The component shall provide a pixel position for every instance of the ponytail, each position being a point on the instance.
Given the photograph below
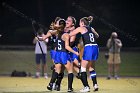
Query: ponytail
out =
(87, 20)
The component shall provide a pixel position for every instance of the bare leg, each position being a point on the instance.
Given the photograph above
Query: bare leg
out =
(110, 70)
(38, 70)
(116, 69)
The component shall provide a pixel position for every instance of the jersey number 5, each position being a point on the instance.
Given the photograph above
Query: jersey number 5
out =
(59, 45)
(91, 37)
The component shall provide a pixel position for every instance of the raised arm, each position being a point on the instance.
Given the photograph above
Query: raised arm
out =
(96, 34)
(74, 32)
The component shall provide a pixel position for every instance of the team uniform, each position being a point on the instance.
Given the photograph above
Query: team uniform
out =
(61, 56)
(90, 46)
(52, 43)
(90, 54)
(72, 55)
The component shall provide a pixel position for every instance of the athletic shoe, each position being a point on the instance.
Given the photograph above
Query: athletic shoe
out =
(96, 87)
(70, 89)
(53, 87)
(57, 87)
(46, 77)
(85, 89)
(49, 87)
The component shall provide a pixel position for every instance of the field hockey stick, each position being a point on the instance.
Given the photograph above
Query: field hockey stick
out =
(10, 8)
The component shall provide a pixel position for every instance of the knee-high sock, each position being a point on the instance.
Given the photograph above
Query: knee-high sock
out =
(93, 76)
(59, 79)
(54, 77)
(70, 80)
(84, 79)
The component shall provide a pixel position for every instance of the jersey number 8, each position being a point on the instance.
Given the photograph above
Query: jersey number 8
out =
(91, 37)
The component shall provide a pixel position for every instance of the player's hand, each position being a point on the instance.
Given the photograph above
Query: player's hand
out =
(77, 53)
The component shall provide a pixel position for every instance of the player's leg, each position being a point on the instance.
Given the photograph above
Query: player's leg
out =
(69, 68)
(92, 71)
(86, 88)
(59, 79)
(57, 62)
(54, 76)
(76, 64)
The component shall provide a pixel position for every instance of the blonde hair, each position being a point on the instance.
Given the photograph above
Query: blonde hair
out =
(87, 20)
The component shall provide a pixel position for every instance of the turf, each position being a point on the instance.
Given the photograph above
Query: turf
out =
(30, 85)
(25, 61)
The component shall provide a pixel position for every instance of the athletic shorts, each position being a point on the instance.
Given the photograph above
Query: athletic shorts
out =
(40, 57)
(91, 53)
(52, 53)
(61, 58)
(114, 58)
(72, 55)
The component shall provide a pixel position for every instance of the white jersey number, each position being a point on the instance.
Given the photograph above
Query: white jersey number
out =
(91, 37)
(59, 45)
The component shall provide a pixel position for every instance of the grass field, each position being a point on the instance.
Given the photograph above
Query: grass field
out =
(25, 61)
(30, 85)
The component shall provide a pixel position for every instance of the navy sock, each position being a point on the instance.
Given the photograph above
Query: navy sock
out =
(93, 76)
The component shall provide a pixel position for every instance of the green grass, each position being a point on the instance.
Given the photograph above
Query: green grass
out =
(31, 85)
(25, 61)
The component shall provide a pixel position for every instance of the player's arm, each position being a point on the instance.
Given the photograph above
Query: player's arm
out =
(49, 34)
(96, 34)
(74, 32)
(66, 38)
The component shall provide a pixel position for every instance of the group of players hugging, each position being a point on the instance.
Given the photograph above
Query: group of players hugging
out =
(65, 53)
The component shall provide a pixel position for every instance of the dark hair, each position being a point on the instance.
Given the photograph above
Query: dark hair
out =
(87, 20)
(73, 20)
(40, 31)
(61, 27)
(56, 19)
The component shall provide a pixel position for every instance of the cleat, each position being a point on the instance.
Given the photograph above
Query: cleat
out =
(96, 87)
(70, 90)
(50, 86)
(57, 88)
(53, 87)
(85, 89)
